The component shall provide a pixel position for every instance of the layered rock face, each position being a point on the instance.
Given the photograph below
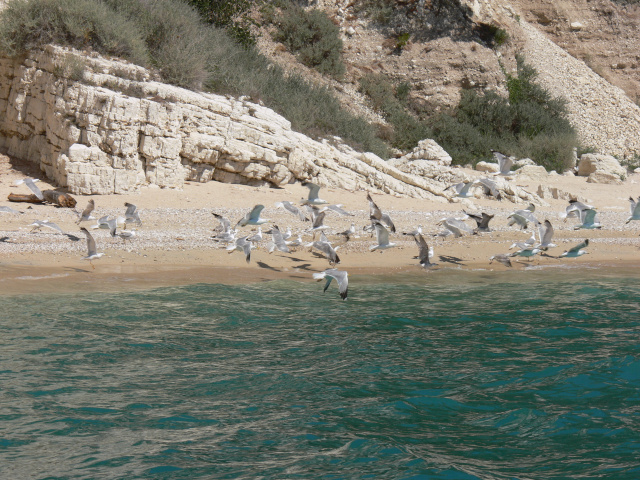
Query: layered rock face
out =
(108, 128)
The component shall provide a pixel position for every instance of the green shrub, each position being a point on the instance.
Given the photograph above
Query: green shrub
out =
(25, 25)
(175, 36)
(313, 38)
(232, 15)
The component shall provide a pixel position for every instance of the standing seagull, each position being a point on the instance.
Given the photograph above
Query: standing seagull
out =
(424, 252)
(526, 252)
(31, 183)
(253, 217)
(313, 198)
(376, 214)
(86, 213)
(92, 251)
(635, 210)
(341, 277)
(382, 235)
(577, 250)
(503, 258)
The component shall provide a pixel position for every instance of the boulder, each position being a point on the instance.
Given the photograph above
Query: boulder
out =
(591, 163)
(537, 172)
(487, 167)
(604, 177)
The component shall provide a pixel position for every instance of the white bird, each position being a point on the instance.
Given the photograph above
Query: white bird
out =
(526, 252)
(253, 217)
(462, 189)
(339, 210)
(325, 247)
(503, 258)
(382, 236)
(545, 232)
(227, 234)
(278, 240)
(482, 221)
(4, 209)
(313, 198)
(504, 163)
(86, 213)
(635, 210)
(349, 232)
(425, 254)
(523, 217)
(38, 224)
(317, 218)
(257, 237)
(490, 187)
(92, 251)
(131, 215)
(376, 214)
(291, 208)
(340, 276)
(31, 183)
(242, 245)
(589, 219)
(577, 250)
(529, 242)
(413, 233)
(574, 208)
(455, 226)
(127, 234)
(294, 243)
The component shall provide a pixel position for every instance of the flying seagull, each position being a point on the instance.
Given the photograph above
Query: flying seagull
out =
(227, 234)
(503, 258)
(376, 214)
(340, 276)
(31, 183)
(86, 213)
(490, 187)
(382, 236)
(589, 219)
(131, 215)
(635, 210)
(574, 208)
(325, 247)
(462, 189)
(577, 250)
(424, 252)
(455, 226)
(38, 224)
(546, 233)
(529, 252)
(523, 217)
(504, 163)
(291, 208)
(278, 240)
(253, 217)
(92, 251)
(313, 198)
(242, 245)
(482, 221)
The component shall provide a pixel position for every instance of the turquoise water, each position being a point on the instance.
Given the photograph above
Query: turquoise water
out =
(480, 377)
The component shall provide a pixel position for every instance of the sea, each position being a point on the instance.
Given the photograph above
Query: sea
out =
(434, 375)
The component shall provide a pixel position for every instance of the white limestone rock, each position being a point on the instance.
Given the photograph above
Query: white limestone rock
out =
(591, 163)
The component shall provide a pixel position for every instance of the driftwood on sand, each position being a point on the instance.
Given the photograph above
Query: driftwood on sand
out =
(50, 196)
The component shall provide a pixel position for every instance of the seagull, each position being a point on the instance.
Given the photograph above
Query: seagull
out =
(31, 183)
(462, 189)
(341, 277)
(257, 237)
(317, 216)
(227, 234)
(424, 252)
(382, 236)
(338, 209)
(325, 247)
(278, 240)
(635, 210)
(574, 208)
(504, 163)
(523, 217)
(546, 233)
(376, 214)
(528, 243)
(290, 207)
(490, 187)
(38, 224)
(313, 198)
(131, 215)
(577, 250)
(589, 219)
(86, 213)
(127, 234)
(526, 252)
(413, 233)
(455, 226)
(92, 252)
(253, 217)
(242, 245)
(349, 232)
(294, 243)
(503, 258)
(481, 220)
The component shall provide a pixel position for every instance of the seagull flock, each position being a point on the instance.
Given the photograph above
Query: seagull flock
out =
(312, 213)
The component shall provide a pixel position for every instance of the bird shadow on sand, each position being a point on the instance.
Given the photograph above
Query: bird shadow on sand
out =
(304, 266)
(73, 238)
(78, 270)
(4, 239)
(268, 267)
(451, 259)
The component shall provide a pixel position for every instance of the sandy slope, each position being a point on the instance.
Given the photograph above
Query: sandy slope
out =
(174, 244)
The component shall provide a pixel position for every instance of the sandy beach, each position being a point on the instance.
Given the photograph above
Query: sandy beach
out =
(174, 244)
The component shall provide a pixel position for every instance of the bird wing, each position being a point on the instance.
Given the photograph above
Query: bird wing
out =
(88, 209)
(31, 183)
(319, 220)
(131, 209)
(387, 220)
(374, 211)
(635, 207)
(588, 216)
(486, 218)
(382, 234)
(545, 238)
(458, 225)
(342, 278)
(255, 213)
(337, 209)
(91, 243)
(226, 224)
(314, 191)
(278, 240)
(579, 247)
(423, 249)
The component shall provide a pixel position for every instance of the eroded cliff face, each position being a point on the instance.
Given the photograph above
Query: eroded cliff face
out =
(113, 129)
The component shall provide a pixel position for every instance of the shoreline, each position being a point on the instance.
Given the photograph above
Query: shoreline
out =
(174, 244)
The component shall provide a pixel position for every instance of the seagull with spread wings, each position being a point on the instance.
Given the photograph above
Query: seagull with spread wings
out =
(340, 276)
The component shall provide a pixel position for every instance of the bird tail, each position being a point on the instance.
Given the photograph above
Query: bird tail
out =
(319, 276)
